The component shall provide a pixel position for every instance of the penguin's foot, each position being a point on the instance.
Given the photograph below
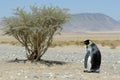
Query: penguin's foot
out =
(91, 71)
(95, 71)
(87, 71)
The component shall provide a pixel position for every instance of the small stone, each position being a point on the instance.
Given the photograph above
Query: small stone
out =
(118, 62)
(11, 77)
(26, 77)
(18, 74)
(36, 77)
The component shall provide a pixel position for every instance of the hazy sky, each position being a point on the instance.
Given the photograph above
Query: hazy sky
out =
(108, 7)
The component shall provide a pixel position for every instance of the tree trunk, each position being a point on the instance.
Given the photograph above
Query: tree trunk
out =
(35, 55)
(35, 52)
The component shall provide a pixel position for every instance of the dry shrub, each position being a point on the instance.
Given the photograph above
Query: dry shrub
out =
(35, 29)
(111, 43)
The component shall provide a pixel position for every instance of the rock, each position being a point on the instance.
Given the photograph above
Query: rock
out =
(26, 77)
(18, 74)
(36, 77)
(118, 62)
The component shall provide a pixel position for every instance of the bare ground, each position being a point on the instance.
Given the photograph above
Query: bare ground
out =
(59, 63)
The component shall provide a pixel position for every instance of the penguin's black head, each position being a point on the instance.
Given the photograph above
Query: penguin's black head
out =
(87, 42)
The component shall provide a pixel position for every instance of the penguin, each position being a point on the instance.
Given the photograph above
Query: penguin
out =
(92, 59)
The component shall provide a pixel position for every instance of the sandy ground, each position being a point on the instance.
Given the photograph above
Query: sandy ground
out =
(59, 63)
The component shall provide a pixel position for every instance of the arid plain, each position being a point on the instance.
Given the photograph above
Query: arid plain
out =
(63, 60)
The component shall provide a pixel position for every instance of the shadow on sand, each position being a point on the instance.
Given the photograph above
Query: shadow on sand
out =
(42, 61)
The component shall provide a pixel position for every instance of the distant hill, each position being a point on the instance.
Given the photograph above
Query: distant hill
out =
(88, 22)
(91, 22)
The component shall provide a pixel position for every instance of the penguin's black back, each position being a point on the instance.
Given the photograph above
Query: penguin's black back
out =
(95, 57)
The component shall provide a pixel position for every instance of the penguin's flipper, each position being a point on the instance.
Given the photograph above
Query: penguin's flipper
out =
(86, 59)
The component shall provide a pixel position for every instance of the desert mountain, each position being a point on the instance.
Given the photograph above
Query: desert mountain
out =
(88, 22)
(91, 22)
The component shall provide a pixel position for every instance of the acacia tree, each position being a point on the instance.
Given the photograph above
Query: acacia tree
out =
(35, 29)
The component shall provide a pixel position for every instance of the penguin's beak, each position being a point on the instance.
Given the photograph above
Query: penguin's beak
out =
(82, 42)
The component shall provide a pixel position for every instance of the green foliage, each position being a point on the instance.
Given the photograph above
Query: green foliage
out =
(35, 29)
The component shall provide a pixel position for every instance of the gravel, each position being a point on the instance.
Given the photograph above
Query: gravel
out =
(73, 56)
(65, 53)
